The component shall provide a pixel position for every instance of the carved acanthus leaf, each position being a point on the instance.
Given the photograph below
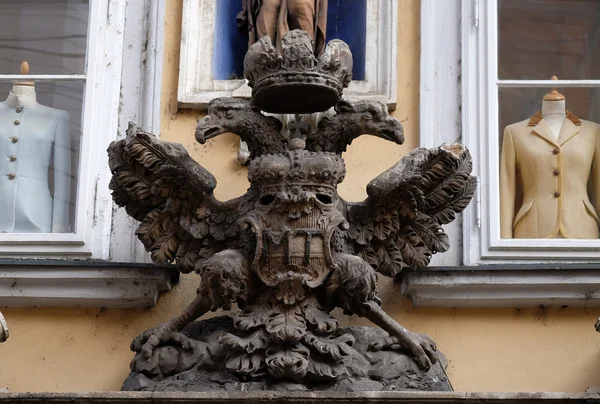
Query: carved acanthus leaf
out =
(287, 325)
(245, 364)
(334, 348)
(318, 319)
(257, 341)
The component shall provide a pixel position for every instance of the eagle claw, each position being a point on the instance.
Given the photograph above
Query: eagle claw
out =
(158, 336)
(419, 346)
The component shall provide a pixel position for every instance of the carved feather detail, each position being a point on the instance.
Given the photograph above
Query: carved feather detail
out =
(161, 186)
(400, 223)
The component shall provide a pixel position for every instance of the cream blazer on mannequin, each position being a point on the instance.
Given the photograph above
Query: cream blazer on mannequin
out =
(30, 134)
(553, 176)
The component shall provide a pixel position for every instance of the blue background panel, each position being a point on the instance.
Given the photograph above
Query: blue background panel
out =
(346, 20)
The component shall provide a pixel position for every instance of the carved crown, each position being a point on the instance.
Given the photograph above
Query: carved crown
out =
(295, 80)
(297, 167)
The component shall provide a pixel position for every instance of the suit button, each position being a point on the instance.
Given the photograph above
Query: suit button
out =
(17, 122)
(555, 151)
(556, 194)
(14, 139)
(13, 158)
(19, 110)
(555, 172)
(11, 176)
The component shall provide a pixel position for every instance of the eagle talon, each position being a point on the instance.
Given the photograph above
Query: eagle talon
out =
(419, 346)
(161, 335)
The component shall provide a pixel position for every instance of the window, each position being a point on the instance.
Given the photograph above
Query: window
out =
(511, 48)
(209, 34)
(57, 116)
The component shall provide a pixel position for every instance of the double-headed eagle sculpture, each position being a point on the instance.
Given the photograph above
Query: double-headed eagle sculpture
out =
(291, 249)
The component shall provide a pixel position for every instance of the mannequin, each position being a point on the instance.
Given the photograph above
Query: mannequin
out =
(30, 134)
(546, 164)
(554, 113)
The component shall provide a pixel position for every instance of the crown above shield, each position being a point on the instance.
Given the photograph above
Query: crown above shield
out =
(294, 80)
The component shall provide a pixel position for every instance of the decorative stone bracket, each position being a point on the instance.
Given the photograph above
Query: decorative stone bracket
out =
(39, 283)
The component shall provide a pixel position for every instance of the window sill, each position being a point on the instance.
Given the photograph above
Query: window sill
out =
(573, 285)
(51, 283)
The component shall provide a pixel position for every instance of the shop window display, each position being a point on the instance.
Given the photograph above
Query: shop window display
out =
(40, 121)
(549, 176)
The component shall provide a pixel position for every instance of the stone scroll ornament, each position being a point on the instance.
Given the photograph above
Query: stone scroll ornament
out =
(291, 249)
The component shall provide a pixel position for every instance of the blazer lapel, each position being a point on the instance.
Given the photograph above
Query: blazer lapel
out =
(570, 128)
(541, 128)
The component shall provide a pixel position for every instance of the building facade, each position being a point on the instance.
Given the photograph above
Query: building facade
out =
(509, 314)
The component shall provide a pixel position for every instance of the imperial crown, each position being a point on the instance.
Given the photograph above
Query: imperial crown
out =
(299, 167)
(294, 80)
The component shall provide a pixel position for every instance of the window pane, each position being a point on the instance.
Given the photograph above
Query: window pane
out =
(538, 39)
(517, 104)
(49, 34)
(550, 163)
(40, 136)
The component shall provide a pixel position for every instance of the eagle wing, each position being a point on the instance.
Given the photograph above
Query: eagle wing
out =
(171, 196)
(400, 223)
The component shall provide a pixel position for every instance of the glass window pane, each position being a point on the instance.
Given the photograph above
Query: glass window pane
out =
(40, 136)
(517, 104)
(538, 39)
(549, 163)
(49, 34)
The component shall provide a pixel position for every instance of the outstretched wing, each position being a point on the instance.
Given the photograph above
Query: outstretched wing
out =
(400, 223)
(161, 186)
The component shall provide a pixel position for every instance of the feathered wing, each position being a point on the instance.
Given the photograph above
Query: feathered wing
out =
(400, 223)
(161, 186)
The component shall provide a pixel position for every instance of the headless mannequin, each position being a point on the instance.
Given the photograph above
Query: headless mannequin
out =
(30, 134)
(554, 114)
(22, 96)
(549, 172)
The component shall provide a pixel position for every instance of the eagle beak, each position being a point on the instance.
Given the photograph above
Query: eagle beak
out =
(207, 128)
(393, 131)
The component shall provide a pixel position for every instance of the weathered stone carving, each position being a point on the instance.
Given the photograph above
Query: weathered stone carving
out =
(201, 367)
(291, 249)
(307, 84)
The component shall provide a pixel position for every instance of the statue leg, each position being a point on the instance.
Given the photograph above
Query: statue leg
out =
(351, 286)
(224, 280)
(266, 21)
(420, 346)
(302, 15)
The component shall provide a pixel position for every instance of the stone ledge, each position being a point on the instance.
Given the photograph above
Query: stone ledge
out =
(574, 285)
(52, 283)
(309, 398)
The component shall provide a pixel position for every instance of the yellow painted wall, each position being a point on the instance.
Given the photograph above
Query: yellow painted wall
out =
(488, 349)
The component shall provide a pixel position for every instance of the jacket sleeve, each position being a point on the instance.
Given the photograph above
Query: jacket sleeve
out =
(62, 175)
(508, 170)
(595, 175)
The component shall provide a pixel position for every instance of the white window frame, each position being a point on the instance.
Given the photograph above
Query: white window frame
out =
(197, 86)
(450, 90)
(100, 120)
(481, 134)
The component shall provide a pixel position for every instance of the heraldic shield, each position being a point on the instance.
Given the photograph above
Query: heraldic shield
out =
(294, 222)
